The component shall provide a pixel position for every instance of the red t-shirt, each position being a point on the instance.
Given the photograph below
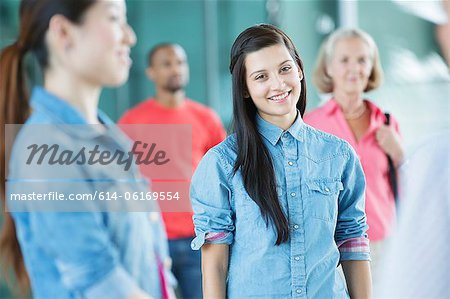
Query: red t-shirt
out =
(380, 203)
(207, 131)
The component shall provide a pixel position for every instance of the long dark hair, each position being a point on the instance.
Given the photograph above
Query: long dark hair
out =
(253, 158)
(35, 17)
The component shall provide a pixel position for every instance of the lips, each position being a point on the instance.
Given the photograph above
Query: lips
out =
(125, 56)
(280, 97)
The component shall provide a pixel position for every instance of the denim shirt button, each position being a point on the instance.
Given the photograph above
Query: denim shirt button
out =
(297, 258)
(290, 163)
(299, 291)
(153, 216)
(293, 194)
(296, 226)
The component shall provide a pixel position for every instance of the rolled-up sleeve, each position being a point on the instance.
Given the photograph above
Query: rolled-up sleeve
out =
(211, 196)
(87, 260)
(350, 236)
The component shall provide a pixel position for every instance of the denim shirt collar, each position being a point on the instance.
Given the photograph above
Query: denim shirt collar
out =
(62, 112)
(273, 133)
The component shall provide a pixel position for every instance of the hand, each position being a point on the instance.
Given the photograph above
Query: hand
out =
(389, 141)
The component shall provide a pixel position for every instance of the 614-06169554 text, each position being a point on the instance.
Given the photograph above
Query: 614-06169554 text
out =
(102, 195)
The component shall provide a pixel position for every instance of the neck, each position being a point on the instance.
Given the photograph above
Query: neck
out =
(284, 122)
(78, 93)
(170, 99)
(349, 103)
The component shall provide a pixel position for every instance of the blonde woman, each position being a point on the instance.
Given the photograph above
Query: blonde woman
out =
(348, 66)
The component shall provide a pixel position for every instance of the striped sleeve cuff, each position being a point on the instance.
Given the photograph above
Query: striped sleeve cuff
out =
(354, 249)
(212, 238)
(216, 237)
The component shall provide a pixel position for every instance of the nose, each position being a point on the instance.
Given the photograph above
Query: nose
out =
(354, 66)
(278, 82)
(129, 35)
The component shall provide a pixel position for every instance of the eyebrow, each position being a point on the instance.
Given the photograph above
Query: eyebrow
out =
(288, 60)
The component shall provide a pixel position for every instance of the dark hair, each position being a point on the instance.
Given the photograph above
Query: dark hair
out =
(156, 48)
(253, 158)
(35, 17)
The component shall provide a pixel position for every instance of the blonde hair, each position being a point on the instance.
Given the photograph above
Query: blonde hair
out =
(323, 81)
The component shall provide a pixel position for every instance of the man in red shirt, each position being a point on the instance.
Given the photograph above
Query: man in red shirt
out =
(168, 69)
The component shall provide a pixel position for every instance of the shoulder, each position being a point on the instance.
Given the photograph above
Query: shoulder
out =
(137, 111)
(225, 152)
(380, 115)
(322, 145)
(200, 109)
(38, 117)
(317, 114)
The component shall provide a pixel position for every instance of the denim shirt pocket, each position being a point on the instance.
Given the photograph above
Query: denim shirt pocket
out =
(321, 197)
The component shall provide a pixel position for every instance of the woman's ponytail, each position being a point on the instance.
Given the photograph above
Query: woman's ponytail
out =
(14, 109)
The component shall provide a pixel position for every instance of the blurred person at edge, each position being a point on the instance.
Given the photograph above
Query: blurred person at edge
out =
(437, 12)
(168, 69)
(81, 45)
(348, 65)
(443, 32)
(417, 260)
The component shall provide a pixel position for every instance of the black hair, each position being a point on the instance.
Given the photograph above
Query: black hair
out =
(253, 158)
(156, 48)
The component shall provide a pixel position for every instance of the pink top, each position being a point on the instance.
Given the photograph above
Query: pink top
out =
(380, 204)
(162, 279)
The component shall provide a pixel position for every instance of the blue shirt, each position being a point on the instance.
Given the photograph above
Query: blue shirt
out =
(88, 254)
(320, 186)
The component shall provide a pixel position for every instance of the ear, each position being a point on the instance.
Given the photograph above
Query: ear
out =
(150, 73)
(246, 94)
(328, 72)
(300, 74)
(61, 33)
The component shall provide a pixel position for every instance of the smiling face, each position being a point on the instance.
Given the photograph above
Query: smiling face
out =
(350, 66)
(273, 82)
(100, 46)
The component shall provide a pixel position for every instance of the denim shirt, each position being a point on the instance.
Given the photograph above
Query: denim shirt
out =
(320, 186)
(90, 254)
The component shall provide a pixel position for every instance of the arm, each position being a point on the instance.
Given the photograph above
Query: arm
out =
(358, 278)
(88, 261)
(213, 220)
(350, 235)
(214, 270)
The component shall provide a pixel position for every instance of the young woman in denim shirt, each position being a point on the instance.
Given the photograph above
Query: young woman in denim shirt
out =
(81, 46)
(278, 205)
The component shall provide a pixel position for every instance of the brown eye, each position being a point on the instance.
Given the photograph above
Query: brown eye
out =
(261, 76)
(286, 68)
(114, 18)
